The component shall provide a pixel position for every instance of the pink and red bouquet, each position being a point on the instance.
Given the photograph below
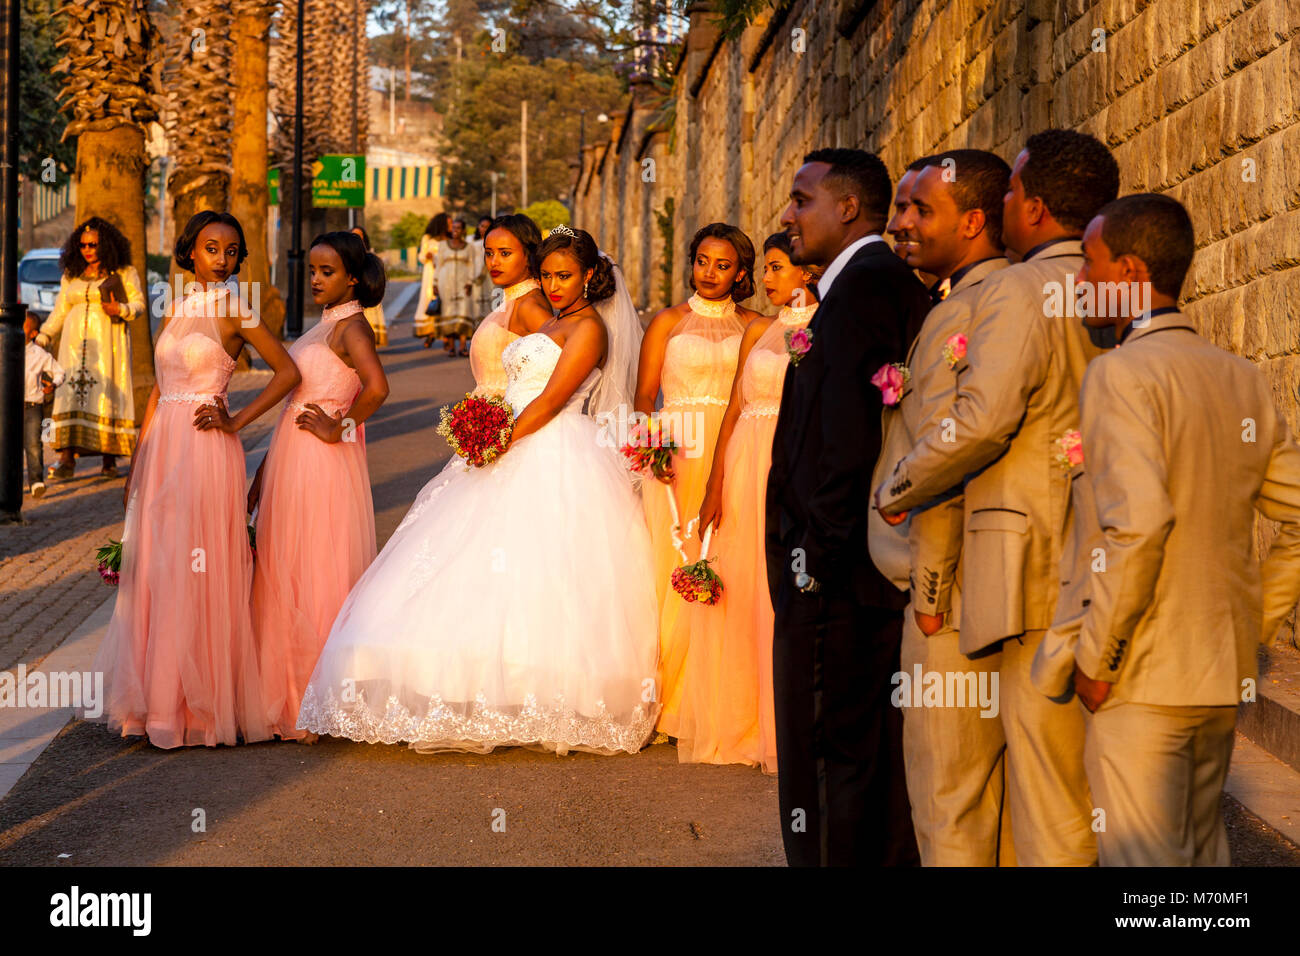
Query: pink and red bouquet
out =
(698, 582)
(477, 428)
(650, 449)
(109, 558)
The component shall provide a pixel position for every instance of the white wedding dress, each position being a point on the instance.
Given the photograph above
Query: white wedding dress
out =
(514, 605)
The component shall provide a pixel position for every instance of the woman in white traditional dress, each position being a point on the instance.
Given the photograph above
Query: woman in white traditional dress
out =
(514, 605)
(99, 296)
(424, 325)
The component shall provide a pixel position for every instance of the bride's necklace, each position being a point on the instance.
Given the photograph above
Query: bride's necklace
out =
(577, 308)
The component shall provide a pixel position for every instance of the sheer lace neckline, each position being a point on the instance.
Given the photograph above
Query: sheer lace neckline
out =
(794, 316)
(341, 311)
(712, 308)
(521, 288)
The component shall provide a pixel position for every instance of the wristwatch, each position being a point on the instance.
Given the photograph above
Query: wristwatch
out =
(806, 583)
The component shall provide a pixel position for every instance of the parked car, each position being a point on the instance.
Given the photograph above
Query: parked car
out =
(38, 280)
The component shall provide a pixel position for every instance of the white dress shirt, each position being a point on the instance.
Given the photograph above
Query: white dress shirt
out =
(840, 261)
(37, 361)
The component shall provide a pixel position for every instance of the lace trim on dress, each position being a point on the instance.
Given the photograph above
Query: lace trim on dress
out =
(792, 316)
(696, 400)
(183, 397)
(713, 308)
(477, 727)
(521, 288)
(341, 311)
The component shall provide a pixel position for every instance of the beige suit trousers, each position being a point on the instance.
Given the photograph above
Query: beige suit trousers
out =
(1158, 773)
(1047, 787)
(954, 759)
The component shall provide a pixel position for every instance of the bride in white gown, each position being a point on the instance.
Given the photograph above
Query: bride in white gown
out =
(515, 603)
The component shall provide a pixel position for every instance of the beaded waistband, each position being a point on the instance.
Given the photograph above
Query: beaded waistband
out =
(700, 400)
(184, 397)
(760, 411)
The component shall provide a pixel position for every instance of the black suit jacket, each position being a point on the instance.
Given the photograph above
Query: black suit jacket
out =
(828, 431)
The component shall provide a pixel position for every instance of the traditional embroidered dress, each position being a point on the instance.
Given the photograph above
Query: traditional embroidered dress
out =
(94, 411)
(427, 256)
(457, 269)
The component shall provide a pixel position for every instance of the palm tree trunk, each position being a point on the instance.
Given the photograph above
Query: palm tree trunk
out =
(111, 165)
(248, 189)
(114, 81)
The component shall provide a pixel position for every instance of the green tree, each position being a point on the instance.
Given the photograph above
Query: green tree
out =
(407, 231)
(547, 213)
(40, 123)
(481, 135)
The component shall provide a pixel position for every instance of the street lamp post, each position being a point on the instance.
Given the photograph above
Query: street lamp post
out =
(293, 307)
(11, 310)
(494, 193)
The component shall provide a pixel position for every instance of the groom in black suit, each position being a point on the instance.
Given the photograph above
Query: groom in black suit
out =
(838, 620)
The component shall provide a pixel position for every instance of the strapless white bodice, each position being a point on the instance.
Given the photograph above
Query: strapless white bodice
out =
(529, 362)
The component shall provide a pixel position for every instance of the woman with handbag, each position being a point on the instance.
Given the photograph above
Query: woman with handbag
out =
(99, 294)
(428, 308)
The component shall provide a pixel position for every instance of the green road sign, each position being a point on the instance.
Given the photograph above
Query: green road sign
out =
(273, 186)
(339, 180)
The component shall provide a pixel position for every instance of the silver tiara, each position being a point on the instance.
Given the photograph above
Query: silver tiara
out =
(562, 230)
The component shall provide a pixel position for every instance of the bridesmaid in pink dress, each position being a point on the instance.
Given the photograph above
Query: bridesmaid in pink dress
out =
(689, 351)
(728, 714)
(179, 659)
(509, 253)
(315, 515)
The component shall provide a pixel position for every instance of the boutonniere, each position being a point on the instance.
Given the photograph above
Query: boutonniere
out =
(954, 349)
(797, 344)
(891, 379)
(1069, 450)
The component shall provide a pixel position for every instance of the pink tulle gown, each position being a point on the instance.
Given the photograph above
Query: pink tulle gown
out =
(727, 713)
(699, 365)
(315, 525)
(179, 659)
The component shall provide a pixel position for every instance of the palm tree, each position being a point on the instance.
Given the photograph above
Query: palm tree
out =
(113, 62)
(249, 148)
(199, 116)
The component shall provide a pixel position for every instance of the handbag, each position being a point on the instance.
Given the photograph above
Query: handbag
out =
(434, 307)
(112, 287)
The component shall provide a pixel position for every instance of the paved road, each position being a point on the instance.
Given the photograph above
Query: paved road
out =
(106, 801)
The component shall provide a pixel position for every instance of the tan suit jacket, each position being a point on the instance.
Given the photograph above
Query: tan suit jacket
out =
(1019, 395)
(928, 552)
(1182, 444)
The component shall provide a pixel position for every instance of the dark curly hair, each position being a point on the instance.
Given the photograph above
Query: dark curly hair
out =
(1073, 174)
(859, 173)
(523, 229)
(184, 252)
(114, 248)
(359, 263)
(744, 286)
(438, 226)
(601, 284)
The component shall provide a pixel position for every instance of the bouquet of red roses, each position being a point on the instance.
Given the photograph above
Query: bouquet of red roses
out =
(478, 429)
(697, 581)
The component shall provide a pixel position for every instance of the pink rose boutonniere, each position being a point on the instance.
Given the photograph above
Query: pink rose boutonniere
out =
(1070, 449)
(891, 379)
(954, 349)
(797, 344)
